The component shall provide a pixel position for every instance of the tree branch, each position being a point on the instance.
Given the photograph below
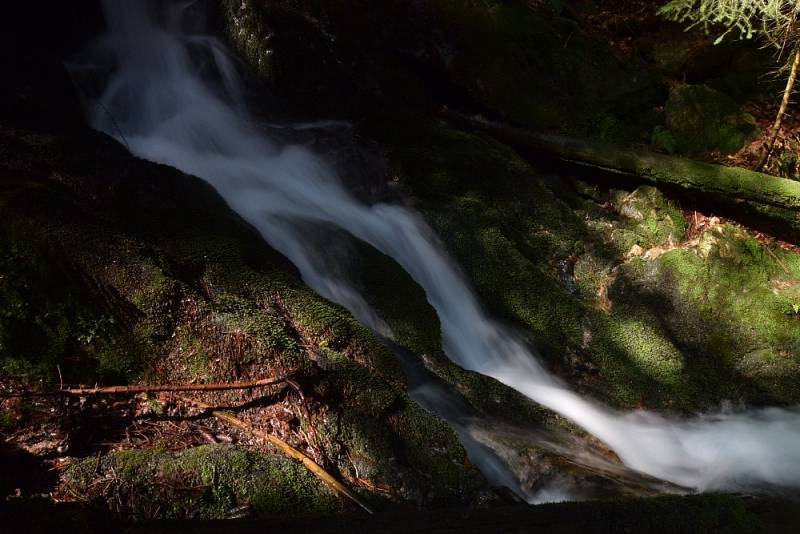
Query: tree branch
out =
(112, 390)
(284, 447)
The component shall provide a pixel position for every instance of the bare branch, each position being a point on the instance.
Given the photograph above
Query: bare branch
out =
(152, 388)
(287, 449)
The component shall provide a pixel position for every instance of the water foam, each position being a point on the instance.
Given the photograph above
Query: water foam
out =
(173, 113)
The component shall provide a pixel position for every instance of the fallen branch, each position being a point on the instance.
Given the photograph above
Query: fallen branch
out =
(112, 390)
(284, 447)
(219, 386)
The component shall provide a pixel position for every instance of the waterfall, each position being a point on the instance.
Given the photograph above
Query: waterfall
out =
(162, 98)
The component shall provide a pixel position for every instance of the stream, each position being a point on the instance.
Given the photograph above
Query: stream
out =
(171, 93)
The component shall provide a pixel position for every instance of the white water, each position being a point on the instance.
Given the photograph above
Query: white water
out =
(170, 114)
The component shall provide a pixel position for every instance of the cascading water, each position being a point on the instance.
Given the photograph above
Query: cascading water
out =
(170, 113)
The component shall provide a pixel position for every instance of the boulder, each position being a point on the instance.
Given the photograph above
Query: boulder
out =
(699, 118)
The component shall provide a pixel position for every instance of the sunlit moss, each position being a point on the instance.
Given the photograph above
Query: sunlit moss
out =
(206, 482)
(663, 326)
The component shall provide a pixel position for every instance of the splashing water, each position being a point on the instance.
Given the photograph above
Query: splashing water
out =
(169, 111)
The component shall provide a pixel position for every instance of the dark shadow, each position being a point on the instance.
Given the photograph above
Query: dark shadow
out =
(660, 515)
(21, 470)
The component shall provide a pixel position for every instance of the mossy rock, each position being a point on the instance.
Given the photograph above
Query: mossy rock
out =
(612, 318)
(205, 482)
(672, 55)
(432, 443)
(135, 271)
(698, 118)
(649, 216)
(47, 313)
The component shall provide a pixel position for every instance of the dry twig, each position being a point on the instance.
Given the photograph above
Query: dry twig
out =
(111, 390)
(287, 449)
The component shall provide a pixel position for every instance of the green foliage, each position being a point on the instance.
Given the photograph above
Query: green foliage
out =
(7, 419)
(155, 407)
(89, 330)
(771, 19)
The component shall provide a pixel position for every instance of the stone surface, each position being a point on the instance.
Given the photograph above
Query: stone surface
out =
(698, 118)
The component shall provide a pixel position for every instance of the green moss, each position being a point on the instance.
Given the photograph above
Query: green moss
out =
(488, 395)
(648, 219)
(592, 272)
(700, 324)
(639, 330)
(7, 420)
(202, 482)
(638, 364)
(44, 315)
(700, 118)
(432, 448)
(370, 447)
(334, 326)
(743, 289)
(266, 330)
(357, 384)
(193, 350)
(402, 303)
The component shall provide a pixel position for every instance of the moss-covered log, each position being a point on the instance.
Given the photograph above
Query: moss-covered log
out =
(730, 182)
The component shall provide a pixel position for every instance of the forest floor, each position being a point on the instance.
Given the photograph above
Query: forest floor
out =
(631, 26)
(43, 435)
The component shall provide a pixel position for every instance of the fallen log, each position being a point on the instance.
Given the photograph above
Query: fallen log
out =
(287, 449)
(730, 182)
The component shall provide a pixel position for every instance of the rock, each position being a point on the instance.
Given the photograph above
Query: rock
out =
(698, 119)
(671, 55)
(678, 321)
(635, 250)
(204, 482)
(648, 216)
(343, 58)
(164, 279)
